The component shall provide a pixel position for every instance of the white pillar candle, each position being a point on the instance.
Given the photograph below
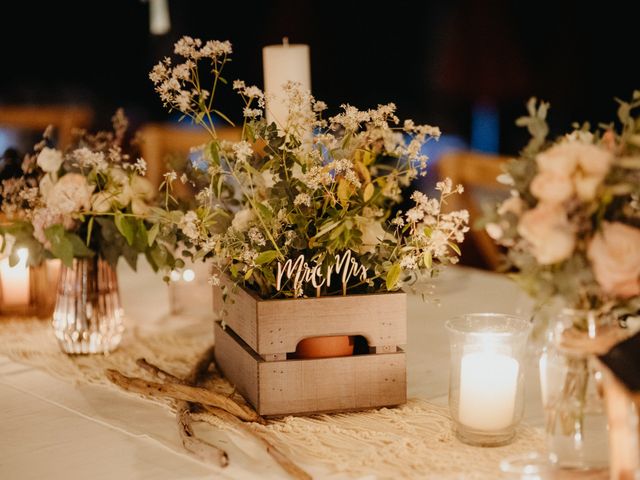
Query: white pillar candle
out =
(281, 64)
(488, 386)
(159, 20)
(15, 280)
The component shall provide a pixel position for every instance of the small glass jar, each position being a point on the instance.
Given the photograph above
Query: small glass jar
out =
(486, 395)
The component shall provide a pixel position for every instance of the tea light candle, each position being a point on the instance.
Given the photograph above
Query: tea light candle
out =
(281, 64)
(15, 280)
(488, 386)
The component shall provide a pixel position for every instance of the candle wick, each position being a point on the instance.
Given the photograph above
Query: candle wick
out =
(285, 41)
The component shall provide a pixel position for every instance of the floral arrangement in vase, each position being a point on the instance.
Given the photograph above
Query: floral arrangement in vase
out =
(87, 206)
(571, 226)
(571, 229)
(290, 204)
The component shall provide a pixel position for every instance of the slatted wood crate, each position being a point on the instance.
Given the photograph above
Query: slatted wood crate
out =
(254, 351)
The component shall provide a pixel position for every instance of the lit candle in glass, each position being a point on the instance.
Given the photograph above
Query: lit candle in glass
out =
(486, 378)
(281, 64)
(15, 281)
(488, 386)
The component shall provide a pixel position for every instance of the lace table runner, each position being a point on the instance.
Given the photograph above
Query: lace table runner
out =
(411, 441)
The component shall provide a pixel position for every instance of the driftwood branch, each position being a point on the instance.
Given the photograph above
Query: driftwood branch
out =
(202, 449)
(284, 461)
(198, 447)
(180, 391)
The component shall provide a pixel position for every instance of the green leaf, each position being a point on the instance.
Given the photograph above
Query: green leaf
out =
(141, 239)
(153, 233)
(368, 192)
(327, 227)
(214, 152)
(455, 248)
(90, 230)
(393, 275)
(61, 246)
(125, 226)
(79, 247)
(428, 260)
(247, 275)
(264, 211)
(266, 257)
(224, 117)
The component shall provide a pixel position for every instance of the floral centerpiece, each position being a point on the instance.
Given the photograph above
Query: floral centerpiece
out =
(87, 206)
(571, 228)
(572, 223)
(90, 200)
(283, 205)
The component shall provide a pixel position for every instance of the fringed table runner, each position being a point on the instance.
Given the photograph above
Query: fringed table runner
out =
(411, 441)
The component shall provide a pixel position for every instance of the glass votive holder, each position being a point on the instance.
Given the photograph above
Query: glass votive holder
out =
(486, 382)
(28, 290)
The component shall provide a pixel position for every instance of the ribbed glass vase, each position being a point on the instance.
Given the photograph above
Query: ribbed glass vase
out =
(88, 316)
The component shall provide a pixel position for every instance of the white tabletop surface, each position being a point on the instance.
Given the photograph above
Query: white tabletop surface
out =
(53, 430)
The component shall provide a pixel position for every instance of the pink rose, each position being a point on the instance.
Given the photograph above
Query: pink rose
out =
(560, 159)
(615, 257)
(549, 232)
(551, 187)
(593, 160)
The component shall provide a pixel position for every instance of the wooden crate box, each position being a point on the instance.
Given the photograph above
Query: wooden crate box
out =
(254, 352)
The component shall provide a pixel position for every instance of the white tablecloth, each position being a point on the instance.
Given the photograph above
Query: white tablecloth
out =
(50, 429)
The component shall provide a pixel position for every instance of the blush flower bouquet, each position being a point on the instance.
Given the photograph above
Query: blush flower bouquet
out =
(572, 223)
(306, 191)
(91, 199)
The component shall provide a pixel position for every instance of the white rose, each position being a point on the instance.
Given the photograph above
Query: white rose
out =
(70, 194)
(49, 160)
(615, 257)
(46, 184)
(142, 191)
(242, 219)
(548, 231)
(121, 187)
(372, 234)
(101, 202)
(551, 187)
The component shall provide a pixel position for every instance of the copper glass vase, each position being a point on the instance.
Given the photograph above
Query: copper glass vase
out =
(88, 316)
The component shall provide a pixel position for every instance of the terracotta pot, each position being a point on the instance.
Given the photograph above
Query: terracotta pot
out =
(323, 347)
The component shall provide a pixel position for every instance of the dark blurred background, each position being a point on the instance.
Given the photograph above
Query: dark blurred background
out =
(468, 66)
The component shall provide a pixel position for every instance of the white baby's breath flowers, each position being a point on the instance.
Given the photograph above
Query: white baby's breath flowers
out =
(325, 184)
(189, 225)
(302, 199)
(256, 237)
(243, 151)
